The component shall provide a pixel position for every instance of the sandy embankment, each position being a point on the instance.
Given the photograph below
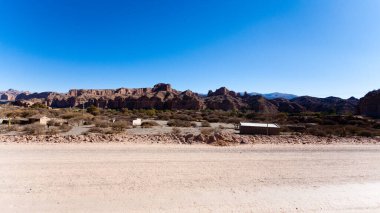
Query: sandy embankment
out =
(183, 178)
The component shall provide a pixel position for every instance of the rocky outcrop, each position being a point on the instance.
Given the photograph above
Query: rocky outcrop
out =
(329, 104)
(42, 95)
(224, 99)
(369, 105)
(7, 97)
(10, 95)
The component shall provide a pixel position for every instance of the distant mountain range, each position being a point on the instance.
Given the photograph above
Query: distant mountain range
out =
(269, 96)
(273, 95)
(163, 96)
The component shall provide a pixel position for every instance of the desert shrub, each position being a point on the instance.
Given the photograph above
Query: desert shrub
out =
(221, 143)
(71, 115)
(149, 124)
(376, 126)
(96, 130)
(110, 131)
(65, 128)
(353, 130)
(52, 131)
(28, 113)
(88, 122)
(34, 129)
(207, 131)
(102, 124)
(328, 122)
(176, 131)
(233, 120)
(313, 120)
(357, 122)
(150, 112)
(179, 123)
(164, 116)
(205, 124)
(182, 117)
(93, 110)
(366, 133)
(53, 123)
(251, 115)
(125, 111)
(212, 119)
(120, 126)
(317, 132)
(13, 128)
(38, 105)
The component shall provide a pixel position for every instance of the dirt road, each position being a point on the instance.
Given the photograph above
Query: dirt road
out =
(183, 178)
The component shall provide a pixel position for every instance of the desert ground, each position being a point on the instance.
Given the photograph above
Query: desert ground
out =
(124, 177)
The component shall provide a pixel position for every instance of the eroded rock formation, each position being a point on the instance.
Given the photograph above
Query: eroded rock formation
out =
(163, 96)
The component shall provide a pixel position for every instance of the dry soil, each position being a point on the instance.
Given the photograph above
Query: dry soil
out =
(189, 178)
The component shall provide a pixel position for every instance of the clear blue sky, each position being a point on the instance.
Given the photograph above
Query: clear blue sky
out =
(306, 47)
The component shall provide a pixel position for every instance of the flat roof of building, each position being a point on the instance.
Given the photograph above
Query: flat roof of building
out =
(260, 125)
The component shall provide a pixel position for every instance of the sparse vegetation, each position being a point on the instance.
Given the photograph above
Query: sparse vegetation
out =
(207, 131)
(320, 124)
(205, 124)
(149, 124)
(39, 105)
(120, 126)
(179, 123)
(34, 129)
(93, 110)
(176, 131)
(52, 131)
(365, 133)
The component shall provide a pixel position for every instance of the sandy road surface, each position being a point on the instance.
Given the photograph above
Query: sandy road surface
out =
(182, 178)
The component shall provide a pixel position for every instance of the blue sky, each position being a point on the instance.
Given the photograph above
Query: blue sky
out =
(319, 48)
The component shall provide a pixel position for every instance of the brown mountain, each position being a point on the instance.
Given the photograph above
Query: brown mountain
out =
(163, 96)
(369, 105)
(329, 104)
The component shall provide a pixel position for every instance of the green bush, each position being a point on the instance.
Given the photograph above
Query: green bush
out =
(93, 110)
(39, 105)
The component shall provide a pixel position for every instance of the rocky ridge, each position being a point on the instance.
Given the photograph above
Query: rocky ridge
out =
(163, 96)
